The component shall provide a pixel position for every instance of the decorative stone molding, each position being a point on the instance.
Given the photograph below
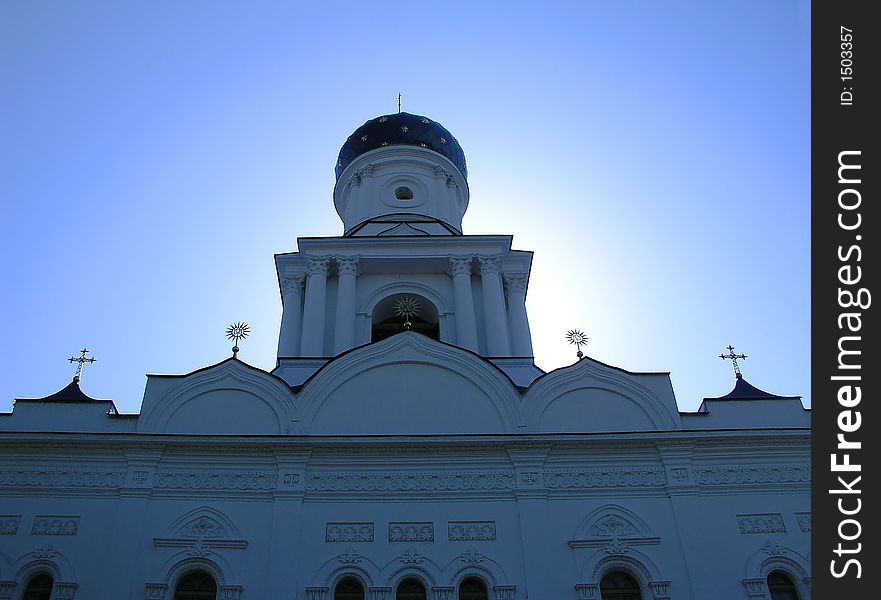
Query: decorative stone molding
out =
(804, 521)
(755, 588)
(198, 549)
(347, 265)
(155, 591)
(409, 481)
(769, 523)
(45, 552)
(504, 592)
(594, 478)
(442, 173)
(749, 474)
(380, 593)
(64, 591)
(359, 175)
(515, 283)
(6, 589)
(472, 557)
(348, 532)
(660, 590)
(316, 593)
(470, 531)
(459, 265)
(411, 557)
(411, 532)
(9, 524)
(442, 593)
(349, 557)
(588, 591)
(230, 592)
(489, 264)
(61, 478)
(217, 480)
(317, 265)
(293, 284)
(53, 525)
(202, 527)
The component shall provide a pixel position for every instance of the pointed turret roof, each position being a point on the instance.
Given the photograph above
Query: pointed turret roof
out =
(70, 393)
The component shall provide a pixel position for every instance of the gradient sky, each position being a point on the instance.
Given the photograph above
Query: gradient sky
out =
(155, 155)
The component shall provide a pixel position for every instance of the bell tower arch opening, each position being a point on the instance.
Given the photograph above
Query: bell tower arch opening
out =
(404, 312)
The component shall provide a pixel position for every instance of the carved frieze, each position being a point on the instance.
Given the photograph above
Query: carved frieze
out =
(597, 478)
(804, 521)
(411, 532)
(54, 525)
(61, 478)
(216, 480)
(769, 523)
(468, 531)
(348, 532)
(753, 474)
(202, 527)
(409, 481)
(9, 524)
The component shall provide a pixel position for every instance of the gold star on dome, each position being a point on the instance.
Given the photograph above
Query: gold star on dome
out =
(383, 119)
(405, 129)
(385, 143)
(363, 138)
(423, 145)
(426, 121)
(443, 140)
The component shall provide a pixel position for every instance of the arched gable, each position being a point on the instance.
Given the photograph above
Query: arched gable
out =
(227, 398)
(203, 523)
(408, 384)
(590, 396)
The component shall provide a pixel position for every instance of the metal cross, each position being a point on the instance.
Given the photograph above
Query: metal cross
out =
(81, 360)
(399, 102)
(733, 358)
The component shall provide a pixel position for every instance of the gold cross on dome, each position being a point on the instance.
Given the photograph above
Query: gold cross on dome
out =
(733, 358)
(399, 102)
(80, 360)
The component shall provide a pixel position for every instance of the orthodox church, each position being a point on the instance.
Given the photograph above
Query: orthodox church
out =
(405, 447)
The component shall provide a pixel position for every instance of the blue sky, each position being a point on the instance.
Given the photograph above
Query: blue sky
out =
(155, 155)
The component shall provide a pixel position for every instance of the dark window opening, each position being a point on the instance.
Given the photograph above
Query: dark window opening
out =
(473, 588)
(404, 193)
(781, 586)
(618, 585)
(388, 320)
(410, 589)
(39, 588)
(348, 588)
(197, 585)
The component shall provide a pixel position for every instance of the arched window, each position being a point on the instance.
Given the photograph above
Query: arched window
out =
(473, 588)
(410, 589)
(348, 588)
(38, 588)
(781, 586)
(618, 585)
(196, 585)
(404, 312)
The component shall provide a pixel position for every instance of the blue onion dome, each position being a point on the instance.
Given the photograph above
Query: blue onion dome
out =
(401, 129)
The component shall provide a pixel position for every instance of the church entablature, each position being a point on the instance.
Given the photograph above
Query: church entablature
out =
(230, 397)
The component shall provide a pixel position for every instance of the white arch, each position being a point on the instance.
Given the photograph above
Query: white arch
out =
(640, 528)
(775, 557)
(368, 305)
(349, 562)
(229, 530)
(50, 561)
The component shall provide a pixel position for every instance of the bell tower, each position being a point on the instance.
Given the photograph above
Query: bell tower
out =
(401, 192)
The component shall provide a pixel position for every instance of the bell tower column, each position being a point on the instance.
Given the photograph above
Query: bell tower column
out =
(292, 315)
(344, 329)
(313, 312)
(494, 315)
(463, 298)
(518, 321)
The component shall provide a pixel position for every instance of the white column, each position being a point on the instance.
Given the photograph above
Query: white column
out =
(314, 309)
(291, 314)
(344, 329)
(463, 299)
(518, 321)
(495, 319)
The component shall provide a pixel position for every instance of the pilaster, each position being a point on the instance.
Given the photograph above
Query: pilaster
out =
(463, 298)
(518, 320)
(344, 326)
(495, 319)
(292, 314)
(315, 306)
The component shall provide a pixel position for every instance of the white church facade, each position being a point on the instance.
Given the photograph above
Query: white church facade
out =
(405, 447)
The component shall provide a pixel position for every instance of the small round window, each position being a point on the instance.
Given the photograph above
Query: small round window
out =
(404, 193)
